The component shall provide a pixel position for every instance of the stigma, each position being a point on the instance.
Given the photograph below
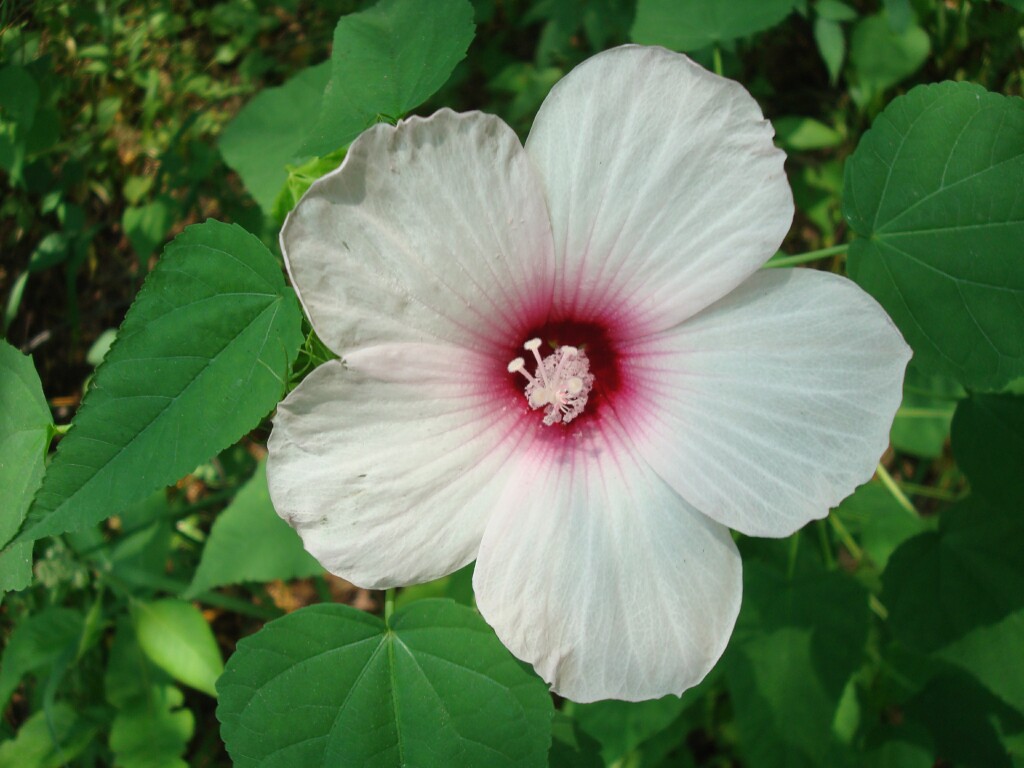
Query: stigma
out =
(561, 383)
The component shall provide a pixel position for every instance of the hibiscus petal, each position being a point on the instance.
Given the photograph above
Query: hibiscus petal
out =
(664, 187)
(432, 230)
(772, 405)
(595, 572)
(389, 469)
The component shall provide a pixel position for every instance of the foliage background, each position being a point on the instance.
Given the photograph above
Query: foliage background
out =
(889, 634)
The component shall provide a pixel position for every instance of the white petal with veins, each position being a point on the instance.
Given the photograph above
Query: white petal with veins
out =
(664, 186)
(434, 230)
(598, 574)
(773, 404)
(390, 479)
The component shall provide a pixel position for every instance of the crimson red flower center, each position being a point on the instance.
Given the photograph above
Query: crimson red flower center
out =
(590, 337)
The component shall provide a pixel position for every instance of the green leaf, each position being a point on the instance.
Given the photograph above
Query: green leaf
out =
(249, 542)
(789, 661)
(621, 726)
(900, 754)
(688, 25)
(154, 733)
(49, 739)
(958, 593)
(805, 133)
(879, 521)
(38, 641)
(881, 57)
(25, 425)
(988, 442)
(19, 96)
(933, 193)
(174, 635)
(921, 426)
(571, 747)
(900, 14)
(967, 724)
(149, 730)
(301, 177)
(456, 586)
(833, 10)
(385, 61)
(831, 41)
(147, 543)
(201, 357)
(330, 685)
(146, 225)
(268, 133)
(129, 672)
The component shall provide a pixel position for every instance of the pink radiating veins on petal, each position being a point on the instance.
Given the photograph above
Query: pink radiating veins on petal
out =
(561, 360)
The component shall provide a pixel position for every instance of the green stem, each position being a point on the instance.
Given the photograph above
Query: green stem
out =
(794, 547)
(945, 396)
(717, 55)
(389, 604)
(826, 545)
(877, 608)
(925, 413)
(894, 489)
(844, 535)
(932, 493)
(804, 258)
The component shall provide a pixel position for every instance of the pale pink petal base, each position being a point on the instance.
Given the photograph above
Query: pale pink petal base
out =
(772, 405)
(389, 470)
(664, 186)
(595, 572)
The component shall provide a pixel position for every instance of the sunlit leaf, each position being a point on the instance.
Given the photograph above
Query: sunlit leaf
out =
(882, 56)
(25, 424)
(267, 135)
(150, 729)
(805, 133)
(174, 635)
(385, 61)
(49, 739)
(249, 542)
(201, 357)
(831, 41)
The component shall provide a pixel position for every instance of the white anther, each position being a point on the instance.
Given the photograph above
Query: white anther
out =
(533, 345)
(562, 382)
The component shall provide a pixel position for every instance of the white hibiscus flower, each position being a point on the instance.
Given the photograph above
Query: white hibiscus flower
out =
(682, 391)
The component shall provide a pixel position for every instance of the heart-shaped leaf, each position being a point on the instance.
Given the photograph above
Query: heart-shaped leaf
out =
(330, 685)
(934, 192)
